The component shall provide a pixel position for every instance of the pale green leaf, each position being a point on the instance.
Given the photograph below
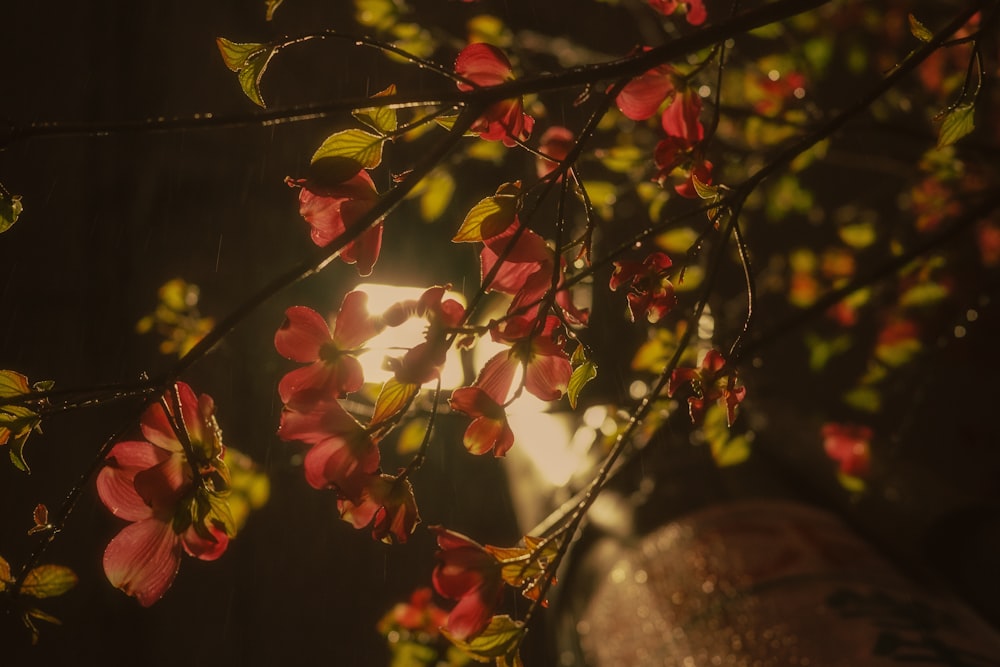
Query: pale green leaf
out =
(851, 483)
(582, 374)
(46, 581)
(919, 30)
(859, 235)
(731, 452)
(13, 383)
(356, 145)
(381, 119)
(272, 6)
(866, 399)
(621, 159)
(248, 60)
(438, 191)
(236, 54)
(959, 122)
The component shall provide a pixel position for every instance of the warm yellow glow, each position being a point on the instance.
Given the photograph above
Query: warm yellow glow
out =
(546, 439)
(394, 341)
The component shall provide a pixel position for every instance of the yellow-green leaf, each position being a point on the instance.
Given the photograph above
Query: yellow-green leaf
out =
(220, 514)
(867, 399)
(731, 452)
(490, 216)
(47, 581)
(923, 294)
(919, 30)
(851, 483)
(272, 6)
(959, 122)
(437, 194)
(500, 640)
(5, 576)
(859, 235)
(362, 147)
(12, 384)
(10, 209)
(394, 398)
(381, 119)
(248, 60)
(582, 374)
(621, 159)
(236, 54)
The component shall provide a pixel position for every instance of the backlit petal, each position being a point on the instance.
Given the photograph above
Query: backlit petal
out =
(142, 560)
(302, 334)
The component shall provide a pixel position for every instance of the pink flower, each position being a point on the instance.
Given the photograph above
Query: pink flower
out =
(333, 371)
(151, 484)
(468, 573)
(848, 445)
(680, 149)
(547, 367)
(650, 293)
(486, 65)
(556, 143)
(709, 385)
(342, 455)
(489, 430)
(387, 505)
(331, 209)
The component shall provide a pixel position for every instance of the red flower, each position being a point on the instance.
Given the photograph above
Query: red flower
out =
(643, 95)
(486, 65)
(330, 210)
(709, 386)
(848, 444)
(423, 362)
(547, 367)
(556, 143)
(489, 430)
(387, 505)
(150, 484)
(650, 293)
(467, 572)
(342, 455)
(419, 614)
(694, 9)
(679, 150)
(305, 337)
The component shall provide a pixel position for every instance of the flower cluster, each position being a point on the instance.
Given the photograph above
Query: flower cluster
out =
(711, 382)
(485, 65)
(172, 488)
(343, 454)
(650, 293)
(693, 10)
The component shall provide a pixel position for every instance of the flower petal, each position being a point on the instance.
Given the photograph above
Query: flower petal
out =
(116, 481)
(156, 428)
(302, 334)
(142, 560)
(205, 548)
(355, 325)
(484, 65)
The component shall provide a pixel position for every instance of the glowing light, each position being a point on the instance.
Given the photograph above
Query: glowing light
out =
(774, 75)
(637, 389)
(799, 93)
(704, 91)
(960, 331)
(394, 341)
(545, 439)
(971, 315)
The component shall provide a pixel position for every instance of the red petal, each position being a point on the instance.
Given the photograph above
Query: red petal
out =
(116, 481)
(680, 119)
(204, 548)
(302, 334)
(484, 65)
(163, 485)
(355, 325)
(497, 377)
(547, 376)
(485, 434)
(156, 428)
(643, 95)
(365, 250)
(323, 215)
(473, 612)
(142, 560)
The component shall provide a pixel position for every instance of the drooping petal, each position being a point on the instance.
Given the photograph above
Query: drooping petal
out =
(497, 377)
(365, 250)
(142, 560)
(473, 612)
(301, 335)
(116, 481)
(484, 434)
(205, 548)
(323, 215)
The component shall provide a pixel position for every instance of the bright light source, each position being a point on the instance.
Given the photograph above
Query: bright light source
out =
(395, 341)
(545, 439)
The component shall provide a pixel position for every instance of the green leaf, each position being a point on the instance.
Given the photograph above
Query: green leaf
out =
(12, 384)
(499, 641)
(220, 514)
(490, 216)
(248, 60)
(583, 373)
(866, 399)
(362, 147)
(16, 424)
(47, 581)
(381, 119)
(439, 187)
(394, 398)
(10, 209)
(621, 159)
(959, 122)
(272, 6)
(851, 483)
(918, 30)
(858, 235)
(923, 294)
(731, 452)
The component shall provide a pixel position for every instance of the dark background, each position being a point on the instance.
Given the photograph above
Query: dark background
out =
(108, 219)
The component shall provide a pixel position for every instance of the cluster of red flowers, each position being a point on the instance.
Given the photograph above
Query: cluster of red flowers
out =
(343, 454)
(710, 383)
(171, 487)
